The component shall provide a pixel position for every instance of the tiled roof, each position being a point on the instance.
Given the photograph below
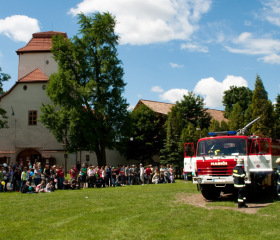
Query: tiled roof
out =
(40, 42)
(158, 107)
(35, 76)
(164, 108)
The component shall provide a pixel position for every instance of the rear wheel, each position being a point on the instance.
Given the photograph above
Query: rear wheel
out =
(210, 192)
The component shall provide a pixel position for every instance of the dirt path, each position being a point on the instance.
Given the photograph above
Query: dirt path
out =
(198, 200)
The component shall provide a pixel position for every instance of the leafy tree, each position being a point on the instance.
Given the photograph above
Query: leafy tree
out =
(262, 107)
(171, 153)
(192, 110)
(277, 117)
(180, 127)
(224, 126)
(236, 118)
(214, 126)
(240, 95)
(88, 107)
(146, 138)
(3, 117)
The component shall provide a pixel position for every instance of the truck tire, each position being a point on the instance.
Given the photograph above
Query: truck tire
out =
(210, 192)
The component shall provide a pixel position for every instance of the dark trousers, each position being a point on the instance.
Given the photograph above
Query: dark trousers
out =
(241, 197)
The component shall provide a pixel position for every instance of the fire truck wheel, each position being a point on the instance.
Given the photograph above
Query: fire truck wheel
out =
(210, 192)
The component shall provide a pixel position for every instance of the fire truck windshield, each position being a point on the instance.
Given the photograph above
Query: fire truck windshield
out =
(222, 146)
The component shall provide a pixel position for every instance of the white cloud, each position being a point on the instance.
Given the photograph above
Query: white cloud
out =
(273, 59)
(173, 95)
(212, 90)
(175, 65)
(130, 107)
(19, 27)
(194, 47)
(149, 21)
(249, 45)
(271, 11)
(157, 89)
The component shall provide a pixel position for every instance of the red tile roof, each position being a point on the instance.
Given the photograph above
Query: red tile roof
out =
(40, 42)
(35, 76)
(164, 108)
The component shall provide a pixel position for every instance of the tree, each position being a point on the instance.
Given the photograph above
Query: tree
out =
(240, 95)
(236, 118)
(277, 117)
(224, 126)
(192, 110)
(214, 126)
(262, 107)
(88, 108)
(171, 153)
(180, 127)
(3, 117)
(146, 138)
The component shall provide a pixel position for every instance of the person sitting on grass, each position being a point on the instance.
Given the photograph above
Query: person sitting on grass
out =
(155, 178)
(161, 178)
(67, 185)
(40, 187)
(49, 187)
(27, 188)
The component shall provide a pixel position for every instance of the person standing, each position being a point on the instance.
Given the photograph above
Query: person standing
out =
(142, 172)
(60, 177)
(84, 176)
(148, 173)
(108, 175)
(239, 182)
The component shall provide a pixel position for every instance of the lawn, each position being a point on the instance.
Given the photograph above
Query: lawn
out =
(131, 212)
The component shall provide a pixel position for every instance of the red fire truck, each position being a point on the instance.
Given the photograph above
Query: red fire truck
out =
(212, 163)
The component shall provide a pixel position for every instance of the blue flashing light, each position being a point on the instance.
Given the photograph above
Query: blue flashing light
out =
(212, 134)
(222, 133)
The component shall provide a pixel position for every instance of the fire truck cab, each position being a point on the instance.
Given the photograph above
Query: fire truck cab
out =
(211, 163)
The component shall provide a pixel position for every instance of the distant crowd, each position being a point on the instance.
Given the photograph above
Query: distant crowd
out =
(37, 178)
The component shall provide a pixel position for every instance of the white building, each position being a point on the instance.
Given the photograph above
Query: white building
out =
(27, 139)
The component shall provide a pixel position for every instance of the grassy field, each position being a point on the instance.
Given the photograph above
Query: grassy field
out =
(132, 212)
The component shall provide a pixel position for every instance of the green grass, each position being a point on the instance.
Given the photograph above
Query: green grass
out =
(132, 212)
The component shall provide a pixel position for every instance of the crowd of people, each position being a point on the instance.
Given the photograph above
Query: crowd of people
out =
(36, 178)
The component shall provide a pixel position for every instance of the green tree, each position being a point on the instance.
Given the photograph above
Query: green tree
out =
(224, 126)
(277, 117)
(240, 95)
(87, 89)
(3, 117)
(236, 118)
(180, 127)
(262, 107)
(214, 126)
(146, 138)
(192, 110)
(171, 153)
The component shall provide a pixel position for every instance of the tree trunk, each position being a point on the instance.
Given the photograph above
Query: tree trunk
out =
(101, 155)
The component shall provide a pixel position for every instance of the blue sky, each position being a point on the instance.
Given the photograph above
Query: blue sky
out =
(168, 47)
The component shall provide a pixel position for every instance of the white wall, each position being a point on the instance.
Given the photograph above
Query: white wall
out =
(28, 62)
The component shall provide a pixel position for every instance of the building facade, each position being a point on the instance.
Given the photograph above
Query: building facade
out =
(26, 139)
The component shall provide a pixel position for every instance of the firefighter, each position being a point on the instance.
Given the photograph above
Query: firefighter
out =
(278, 177)
(239, 182)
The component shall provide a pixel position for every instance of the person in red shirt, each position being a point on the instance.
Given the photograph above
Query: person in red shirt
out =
(73, 173)
(148, 172)
(60, 177)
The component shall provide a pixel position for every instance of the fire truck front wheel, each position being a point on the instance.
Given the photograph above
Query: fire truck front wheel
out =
(210, 192)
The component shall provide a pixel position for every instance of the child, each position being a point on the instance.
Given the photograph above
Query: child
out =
(171, 177)
(49, 187)
(40, 187)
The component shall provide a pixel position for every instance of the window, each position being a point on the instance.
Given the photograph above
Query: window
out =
(32, 117)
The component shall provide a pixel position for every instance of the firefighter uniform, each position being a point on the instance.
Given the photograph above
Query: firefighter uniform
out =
(239, 183)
